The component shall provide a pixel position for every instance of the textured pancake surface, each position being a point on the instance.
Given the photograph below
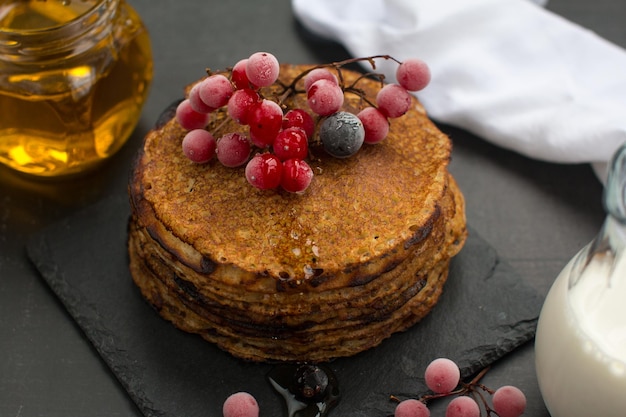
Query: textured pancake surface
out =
(270, 275)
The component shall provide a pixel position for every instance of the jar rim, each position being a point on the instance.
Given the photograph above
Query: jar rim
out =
(18, 44)
(46, 28)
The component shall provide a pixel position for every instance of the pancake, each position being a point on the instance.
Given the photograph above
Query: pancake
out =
(269, 275)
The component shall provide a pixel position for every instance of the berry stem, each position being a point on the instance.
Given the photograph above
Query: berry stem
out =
(478, 394)
(360, 93)
(220, 126)
(473, 388)
(290, 88)
(479, 376)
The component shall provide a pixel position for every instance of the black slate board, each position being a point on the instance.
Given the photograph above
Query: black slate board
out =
(485, 312)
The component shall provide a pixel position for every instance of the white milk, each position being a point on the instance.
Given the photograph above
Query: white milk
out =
(580, 346)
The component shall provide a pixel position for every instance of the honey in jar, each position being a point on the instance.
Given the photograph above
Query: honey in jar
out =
(74, 76)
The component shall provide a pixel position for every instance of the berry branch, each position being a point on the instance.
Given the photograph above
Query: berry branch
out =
(338, 66)
(442, 377)
(281, 136)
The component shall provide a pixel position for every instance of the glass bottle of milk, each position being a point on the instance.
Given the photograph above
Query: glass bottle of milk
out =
(580, 346)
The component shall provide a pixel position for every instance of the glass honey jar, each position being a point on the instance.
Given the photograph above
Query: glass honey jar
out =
(74, 75)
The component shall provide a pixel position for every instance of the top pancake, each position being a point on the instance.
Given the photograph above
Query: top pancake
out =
(360, 215)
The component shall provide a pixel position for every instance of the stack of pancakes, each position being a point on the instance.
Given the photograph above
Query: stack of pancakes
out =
(270, 275)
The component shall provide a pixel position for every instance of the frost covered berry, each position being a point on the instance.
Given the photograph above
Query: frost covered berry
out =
(240, 404)
(199, 146)
(509, 401)
(215, 91)
(411, 408)
(393, 100)
(413, 74)
(325, 97)
(262, 69)
(319, 74)
(442, 375)
(375, 124)
(233, 149)
(188, 118)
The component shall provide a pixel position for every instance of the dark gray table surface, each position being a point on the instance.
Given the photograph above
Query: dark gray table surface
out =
(536, 214)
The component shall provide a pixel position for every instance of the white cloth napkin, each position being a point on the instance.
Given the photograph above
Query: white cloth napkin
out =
(509, 71)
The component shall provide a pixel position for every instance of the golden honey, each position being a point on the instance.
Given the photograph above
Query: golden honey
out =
(74, 76)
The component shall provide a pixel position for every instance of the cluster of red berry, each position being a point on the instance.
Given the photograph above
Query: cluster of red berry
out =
(283, 138)
(443, 378)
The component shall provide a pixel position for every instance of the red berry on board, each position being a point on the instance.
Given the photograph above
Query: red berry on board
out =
(509, 401)
(463, 406)
(442, 375)
(240, 404)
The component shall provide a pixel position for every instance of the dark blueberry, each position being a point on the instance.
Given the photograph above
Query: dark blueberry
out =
(342, 134)
(311, 382)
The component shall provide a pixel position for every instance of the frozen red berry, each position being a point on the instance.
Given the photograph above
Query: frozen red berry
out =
(375, 124)
(509, 401)
(264, 171)
(262, 69)
(319, 74)
(199, 146)
(240, 404)
(238, 75)
(233, 149)
(393, 100)
(413, 74)
(190, 119)
(240, 103)
(299, 118)
(291, 143)
(196, 102)
(265, 119)
(215, 91)
(296, 176)
(325, 97)
(411, 408)
(442, 375)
